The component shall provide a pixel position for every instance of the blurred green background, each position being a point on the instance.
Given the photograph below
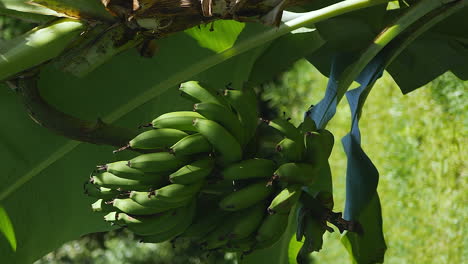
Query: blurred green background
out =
(416, 141)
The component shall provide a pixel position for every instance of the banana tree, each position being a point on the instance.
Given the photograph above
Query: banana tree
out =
(80, 83)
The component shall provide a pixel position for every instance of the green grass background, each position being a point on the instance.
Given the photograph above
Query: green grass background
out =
(418, 143)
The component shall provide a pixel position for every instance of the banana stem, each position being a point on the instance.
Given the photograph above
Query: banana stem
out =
(66, 125)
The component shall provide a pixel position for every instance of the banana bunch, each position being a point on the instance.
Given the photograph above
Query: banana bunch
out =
(202, 178)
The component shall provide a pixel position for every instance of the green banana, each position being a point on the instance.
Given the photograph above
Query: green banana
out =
(172, 194)
(156, 162)
(244, 245)
(199, 93)
(219, 236)
(157, 139)
(307, 125)
(181, 224)
(122, 170)
(248, 169)
(191, 144)
(109, 180)
(245, 104)
(271, 230)
(131, 207)
(205, 223)
(194, 172)
(224, 143)
(285, 200)
(319, 145)
(223, 116)
(286, 128)
(102, 205)
(303, 173)
(181, 120)
(291, 150)
(246, 196)
(146, 224)
(100, 192)
(248, 220)
(218, 188)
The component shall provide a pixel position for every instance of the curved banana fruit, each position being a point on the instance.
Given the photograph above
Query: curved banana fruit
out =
(146, 224)
(193, 172)
(286, 128)
(100, 192)
(285, 200)
(271, 230)
(248, 169)
(248, 220)
(245, 104)
(198, 93)
(122, 170)
(319, 145)
(303, 173)
(307, 125)
(131, 207)
(181, 224)
(102, 205)
(191, 144)
(223, 116)
(156, 162)
(158, 139)
(111, 181)
(223, 142)
(220, 235)
(173, 194)
(204, 224)
(181, 120)
(246, 197)
(291, 150)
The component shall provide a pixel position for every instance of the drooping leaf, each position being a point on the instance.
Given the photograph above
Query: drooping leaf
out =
(84, 9)
(6, 228)
(447, 44)
(23, 6)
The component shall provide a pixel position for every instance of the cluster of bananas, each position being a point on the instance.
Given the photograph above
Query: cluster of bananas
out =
(209, 176)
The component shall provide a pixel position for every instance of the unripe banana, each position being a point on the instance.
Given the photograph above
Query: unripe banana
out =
(244, 245)
(182, 223)
(219, 236)
(245, 104)
(191, 144)
(303, 173)
(194, 172)
(102, 206)
(198, 92)
(100, 192)
(122, 170)
(111, 181)
(205, 223)
(181, 120)
(285, 200)
(246, 196)
(157, 139)
(248, 220)
(286, 128)
(146, 224)
(248, 169)
(271, 230)
(223, 116)
(173, 194)
(219, 188)
(291, 150)
(224, 143)
(156, 162)
(307, 125)
(131, 207)
(319, 146)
